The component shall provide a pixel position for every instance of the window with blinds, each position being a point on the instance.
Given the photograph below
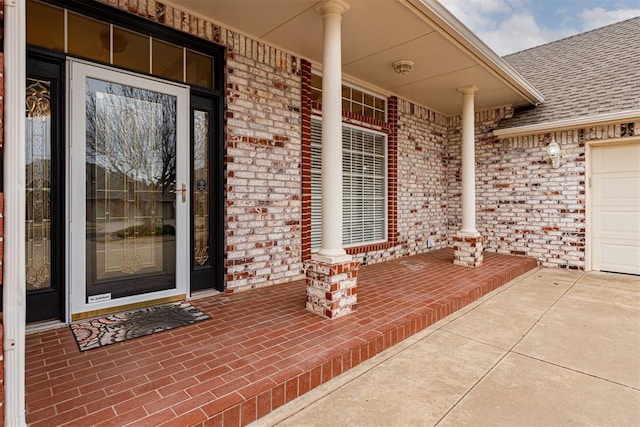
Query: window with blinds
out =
(364, 185)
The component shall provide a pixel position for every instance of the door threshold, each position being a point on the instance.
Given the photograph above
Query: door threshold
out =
(45, 325)
(126, 307)
(204, 293)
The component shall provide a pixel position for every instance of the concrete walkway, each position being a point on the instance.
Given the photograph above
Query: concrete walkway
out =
(552, 347)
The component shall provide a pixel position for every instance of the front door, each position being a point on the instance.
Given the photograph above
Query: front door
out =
(129, 192)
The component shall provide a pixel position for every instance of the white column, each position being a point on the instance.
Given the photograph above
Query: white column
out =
(468, 162)
(14, 296)
(331, 249)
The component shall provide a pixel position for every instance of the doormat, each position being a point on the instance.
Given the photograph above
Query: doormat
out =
(101, 331)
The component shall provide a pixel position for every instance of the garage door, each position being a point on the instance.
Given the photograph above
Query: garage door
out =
(615, 208)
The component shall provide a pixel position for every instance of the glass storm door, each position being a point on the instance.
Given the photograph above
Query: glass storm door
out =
(129, 180)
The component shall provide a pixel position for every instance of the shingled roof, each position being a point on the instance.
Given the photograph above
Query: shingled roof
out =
(580, 76)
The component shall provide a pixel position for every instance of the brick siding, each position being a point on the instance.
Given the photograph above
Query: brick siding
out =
(263, 192)
(486, 122)
(524, 206)
(421, 190)
(365, 254)
(422, 186)
(263, 117)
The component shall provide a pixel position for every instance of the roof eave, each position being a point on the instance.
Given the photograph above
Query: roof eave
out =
(576, 122)
(448, 25)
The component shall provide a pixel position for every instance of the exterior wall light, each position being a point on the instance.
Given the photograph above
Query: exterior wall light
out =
(553, 151)
(403, 66)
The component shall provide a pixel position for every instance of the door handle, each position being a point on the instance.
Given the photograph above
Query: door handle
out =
(183, 190)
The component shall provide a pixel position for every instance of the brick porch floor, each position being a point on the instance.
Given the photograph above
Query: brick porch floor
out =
(260, 350)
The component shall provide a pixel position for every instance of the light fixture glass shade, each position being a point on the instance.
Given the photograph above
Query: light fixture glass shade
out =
(553, 151)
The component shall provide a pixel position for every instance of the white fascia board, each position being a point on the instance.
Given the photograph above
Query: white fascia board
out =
(577, 122)
(448, 25)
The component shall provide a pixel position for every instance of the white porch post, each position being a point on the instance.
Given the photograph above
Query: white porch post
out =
(331, 273)
(468, 162)
(468, 242)
(14, 298)
(331, 250)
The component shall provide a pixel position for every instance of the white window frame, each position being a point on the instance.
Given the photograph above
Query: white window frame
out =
(352, 87)
(316, 201)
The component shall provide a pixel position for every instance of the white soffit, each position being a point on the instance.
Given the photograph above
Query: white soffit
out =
(375, 33)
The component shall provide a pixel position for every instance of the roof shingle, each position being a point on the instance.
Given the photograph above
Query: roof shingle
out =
(583, 75)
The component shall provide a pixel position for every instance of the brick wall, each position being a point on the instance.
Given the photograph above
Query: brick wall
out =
(525, 206)
(422, 185)
(486, 122)
(263, 193)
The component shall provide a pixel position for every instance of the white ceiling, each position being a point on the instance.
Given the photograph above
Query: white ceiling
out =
(375, 33)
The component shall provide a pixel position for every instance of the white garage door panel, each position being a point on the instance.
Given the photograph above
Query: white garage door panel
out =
(617, 225)
(616, 158)
(612, 256)
(617, 189)
(615, 208)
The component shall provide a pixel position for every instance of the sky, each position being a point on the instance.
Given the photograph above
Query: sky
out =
(509, 26)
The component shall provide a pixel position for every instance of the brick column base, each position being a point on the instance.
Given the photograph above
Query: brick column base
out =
(468, 250)
(332, 289)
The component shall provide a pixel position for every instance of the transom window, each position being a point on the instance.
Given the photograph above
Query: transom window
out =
(354, 100)
(364, 185)
(69, 32)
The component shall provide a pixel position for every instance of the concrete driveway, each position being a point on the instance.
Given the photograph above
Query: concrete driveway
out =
(552, 347)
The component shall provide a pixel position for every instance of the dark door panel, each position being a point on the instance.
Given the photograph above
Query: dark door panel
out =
(44, 167)
(206, 194)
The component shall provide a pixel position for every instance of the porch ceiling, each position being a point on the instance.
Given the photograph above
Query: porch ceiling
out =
(375, 33)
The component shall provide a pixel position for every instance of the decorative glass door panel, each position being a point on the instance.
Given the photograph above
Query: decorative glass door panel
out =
(44, 187)
(38, 185)
(131, 160)
(131, 177)
(201, 174)
(205, 185)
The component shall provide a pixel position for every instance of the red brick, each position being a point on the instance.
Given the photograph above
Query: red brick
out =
(165, 402)
(291, 390)
(231, 417)
(319, 344)
(277, 396)
(132, 416)
(190, 418)
(216, 421)
(264, 404)
(248, 411)
(59, 419)
(220, 405)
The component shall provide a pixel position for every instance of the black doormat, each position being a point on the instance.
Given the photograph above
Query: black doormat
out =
(101, 331)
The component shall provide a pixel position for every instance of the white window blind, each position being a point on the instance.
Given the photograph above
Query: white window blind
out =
(364, 184)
